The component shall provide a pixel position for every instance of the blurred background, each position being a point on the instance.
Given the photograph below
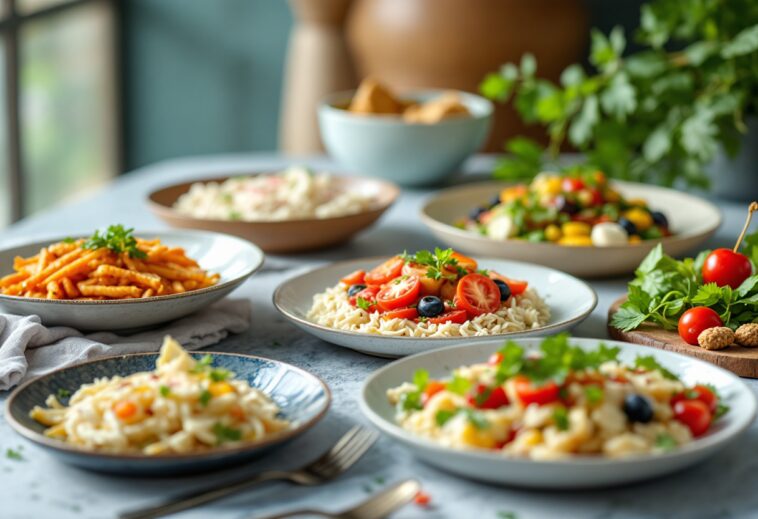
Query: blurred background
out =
(94, 88)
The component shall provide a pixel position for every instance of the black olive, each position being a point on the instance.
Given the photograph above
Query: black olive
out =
(495, 200)
(638, 408)
(659, 218)
(628, 226)
(354, 289)
(505, 290)
(564, 205)
(476, 213)
(430, 306)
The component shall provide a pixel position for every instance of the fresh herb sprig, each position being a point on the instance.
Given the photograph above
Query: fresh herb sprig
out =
(440, 263)
(116, 238)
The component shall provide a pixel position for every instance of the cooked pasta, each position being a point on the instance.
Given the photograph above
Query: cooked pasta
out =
(183, 406)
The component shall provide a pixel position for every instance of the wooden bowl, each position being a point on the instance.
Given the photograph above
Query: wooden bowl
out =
(285, 236)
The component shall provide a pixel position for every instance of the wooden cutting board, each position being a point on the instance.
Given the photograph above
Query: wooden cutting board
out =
(739, 360)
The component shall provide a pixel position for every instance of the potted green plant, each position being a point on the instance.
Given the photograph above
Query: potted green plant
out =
(676, 111)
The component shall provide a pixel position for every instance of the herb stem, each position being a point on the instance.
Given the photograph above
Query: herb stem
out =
(750, 210)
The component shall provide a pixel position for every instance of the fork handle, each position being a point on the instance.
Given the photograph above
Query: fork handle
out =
(203, 496)
(298, 513)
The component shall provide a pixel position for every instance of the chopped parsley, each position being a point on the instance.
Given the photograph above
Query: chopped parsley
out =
(421, 379)
(441, 263)
(474, 417)
(63, 393)
(118, 239)
(205, 397)
(364, 304)
(561, 419)
(219, 374)
(410, 401)
(165, 391)
(594, 394)
(226, 434)
(665, 442)
(68, 240)
(458, 385)
(443, 416)
(14, 454)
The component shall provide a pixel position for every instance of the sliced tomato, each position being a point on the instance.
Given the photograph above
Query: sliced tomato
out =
(429, 286)
(484, 397)
(530, 393)
(694, 414)
(465, 262)
(517, 286)
(453, 316)
(385, 272)
(367, 294)
(399, 293)
(401, 313)
(354, 278)
(478, 294)
(432, 388)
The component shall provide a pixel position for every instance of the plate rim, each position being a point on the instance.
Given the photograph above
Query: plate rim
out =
(250, 270)
(276, 299)
(481, 455)
(437, 225)
(58, 445)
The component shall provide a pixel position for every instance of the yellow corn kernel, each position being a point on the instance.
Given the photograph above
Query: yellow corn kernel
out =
(470, 435)
(640, 218)
(553, 233)
(220, 388)
(635, 239)
(576, 229)
(576, 241)
(611, 195)
(532, 438)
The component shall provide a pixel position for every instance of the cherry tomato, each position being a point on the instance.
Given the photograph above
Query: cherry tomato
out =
(699, 392)
(478, 294)
(465, 262)
(429, 286)
(399, 293)
(367, 294)
(401, 313)
(529, 393)
(695, 320)
(694, 414)
(422, 499)
(517, 286)
(125, 409)
(432, 388)
(385, 272)
(453, 316)
(725, 267)
(354, 278)
(495, 359)
(485, 397)
(571, 184)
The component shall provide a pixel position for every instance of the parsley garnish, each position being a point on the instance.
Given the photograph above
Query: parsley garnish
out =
(116, 238)
(594, 394)
(443, 416)
(63, 393)
(458, 385)
(421, 379)
(68, 240)
(219, 374)
(561, 419)
(205, 397)
(476, 418)
(14, 454)
(364, 304)
(721, 407)
(165, 391)
(439, 263)
(650, 364)
(226, 434)
(665, 442)
(410, 401)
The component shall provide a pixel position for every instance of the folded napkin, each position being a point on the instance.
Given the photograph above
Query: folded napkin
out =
(29, 349)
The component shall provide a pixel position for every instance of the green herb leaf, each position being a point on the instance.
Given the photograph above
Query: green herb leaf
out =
(458, 385)
(226, 434)
(665, 442)
(63, 393)
(410, 401)
(118, 239)
(561, 419)
(476, 418)
(594, 394)
(443, 416)
(648, 362)
(165, 391)
(421, 379)
(14, 454)
(205, 397)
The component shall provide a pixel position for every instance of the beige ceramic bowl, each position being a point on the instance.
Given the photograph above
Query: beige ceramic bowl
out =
(285, 236)
(692, 220)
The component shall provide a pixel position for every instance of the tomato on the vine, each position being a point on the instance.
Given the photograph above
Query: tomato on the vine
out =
(695, 320)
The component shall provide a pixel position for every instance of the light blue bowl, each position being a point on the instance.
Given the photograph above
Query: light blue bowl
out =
(410, 154)
(303, 399)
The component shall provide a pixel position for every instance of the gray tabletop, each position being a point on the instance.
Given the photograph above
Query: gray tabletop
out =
(39, 486)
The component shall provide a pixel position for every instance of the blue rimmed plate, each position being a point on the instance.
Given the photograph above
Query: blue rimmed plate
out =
(302, 397)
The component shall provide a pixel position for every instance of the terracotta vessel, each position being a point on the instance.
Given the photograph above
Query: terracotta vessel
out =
(454, 43)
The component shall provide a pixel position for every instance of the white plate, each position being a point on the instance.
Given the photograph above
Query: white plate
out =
(234, 259)
(692, 220)
(570, 299)
(579, 472)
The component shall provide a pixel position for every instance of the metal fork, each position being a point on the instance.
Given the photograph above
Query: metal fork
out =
(376, 507)
(339, 459)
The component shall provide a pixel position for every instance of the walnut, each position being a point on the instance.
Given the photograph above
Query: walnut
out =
(747, 335)
(716, 338)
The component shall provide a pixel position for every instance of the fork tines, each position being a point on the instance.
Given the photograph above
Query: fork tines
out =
(345, 452)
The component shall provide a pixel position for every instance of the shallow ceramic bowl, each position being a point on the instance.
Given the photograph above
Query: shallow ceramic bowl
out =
(577, 472)
(411, 154)
(283, 236)
(234, 259)
(302, 397)
(692, 220)
(570, 299)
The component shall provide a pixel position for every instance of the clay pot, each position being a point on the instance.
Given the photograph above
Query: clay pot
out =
(454, 43)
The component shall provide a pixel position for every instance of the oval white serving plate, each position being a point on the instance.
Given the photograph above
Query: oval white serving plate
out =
(578, 472)
(234, 259)
(692, 220)
(570, 299)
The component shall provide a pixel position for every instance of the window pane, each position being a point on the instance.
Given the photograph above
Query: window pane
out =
(67, 104)
(5, 194)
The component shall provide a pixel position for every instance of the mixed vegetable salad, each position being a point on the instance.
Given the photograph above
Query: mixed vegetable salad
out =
(574, 209)
(560, 401)
(438, 287)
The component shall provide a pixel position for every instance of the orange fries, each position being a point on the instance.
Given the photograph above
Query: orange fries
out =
(67, 270)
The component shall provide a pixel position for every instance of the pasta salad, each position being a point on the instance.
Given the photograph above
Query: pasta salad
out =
(183, 406)
(564, 401)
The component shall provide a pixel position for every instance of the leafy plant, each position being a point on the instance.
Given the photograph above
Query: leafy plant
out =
(116, 238)
(654, 115)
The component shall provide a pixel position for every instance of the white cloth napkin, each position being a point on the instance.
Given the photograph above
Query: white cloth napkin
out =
(29, 349)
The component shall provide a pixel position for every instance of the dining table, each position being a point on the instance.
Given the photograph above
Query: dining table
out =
(36, 485)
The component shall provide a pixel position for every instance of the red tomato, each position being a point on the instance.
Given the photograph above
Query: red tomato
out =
(529, 393)
(422, 499)
(478, 294)
(495, 359)
(699, 392)
(508, 439)
(432, 388)
(465, 262)
(369, 294)
(726, 267)
(694, 414)
(429, 286)
(354, 278)
(517, 287)
(695, 320)
(597, 197)
(453, 316)
(571, 184)
(385, 272)
(401, 313)
(484, 397)
(399, 293)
